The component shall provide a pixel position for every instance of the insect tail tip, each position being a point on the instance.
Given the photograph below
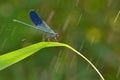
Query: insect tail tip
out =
(14, 20)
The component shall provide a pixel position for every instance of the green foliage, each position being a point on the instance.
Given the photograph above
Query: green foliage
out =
(91, 27)
(15, 56)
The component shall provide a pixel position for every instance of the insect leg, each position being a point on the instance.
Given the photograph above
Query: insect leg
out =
(55, 38)
(43, 37)
(48, 36)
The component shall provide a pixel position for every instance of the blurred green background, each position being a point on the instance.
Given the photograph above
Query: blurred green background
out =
(90, 26)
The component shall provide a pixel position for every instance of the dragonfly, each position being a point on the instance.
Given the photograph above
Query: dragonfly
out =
(39, 24)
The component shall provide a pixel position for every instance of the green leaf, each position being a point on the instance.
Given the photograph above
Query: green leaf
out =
(18, 55)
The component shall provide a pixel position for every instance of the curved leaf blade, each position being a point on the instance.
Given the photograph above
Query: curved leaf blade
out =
(18, 55)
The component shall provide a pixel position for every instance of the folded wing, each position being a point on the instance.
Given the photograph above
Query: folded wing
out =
(35, 18)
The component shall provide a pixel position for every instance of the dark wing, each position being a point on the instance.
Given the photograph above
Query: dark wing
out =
(39, 22)
(35, 18)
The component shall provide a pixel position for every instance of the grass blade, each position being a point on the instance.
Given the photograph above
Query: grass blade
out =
(18, 55)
